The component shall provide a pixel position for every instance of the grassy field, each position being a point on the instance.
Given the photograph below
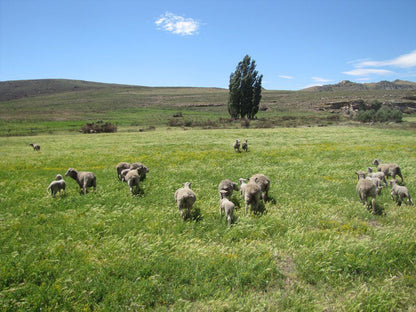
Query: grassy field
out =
(315, 247)
(56, 106)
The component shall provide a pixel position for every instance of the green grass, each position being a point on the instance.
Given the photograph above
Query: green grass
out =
(315, 248)
(56, 106)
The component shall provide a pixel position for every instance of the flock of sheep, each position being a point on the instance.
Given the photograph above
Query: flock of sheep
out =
(370, 184)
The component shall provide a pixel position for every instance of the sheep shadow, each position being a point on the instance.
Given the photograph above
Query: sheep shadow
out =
(379, 210)
(261, 209)
(193, 215)
(271, 199)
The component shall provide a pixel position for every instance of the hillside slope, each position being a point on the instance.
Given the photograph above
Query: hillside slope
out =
(347, 85)
(12, 90)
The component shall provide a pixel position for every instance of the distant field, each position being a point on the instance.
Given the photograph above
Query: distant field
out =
(315, 248)
(62, 106)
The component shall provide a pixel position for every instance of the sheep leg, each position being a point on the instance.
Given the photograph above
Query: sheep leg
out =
(373, 205)
(229, 220)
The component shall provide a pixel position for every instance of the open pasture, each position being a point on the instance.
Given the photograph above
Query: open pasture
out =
(315, 247)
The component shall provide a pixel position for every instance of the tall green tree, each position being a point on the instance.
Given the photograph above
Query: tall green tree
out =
(245, 90)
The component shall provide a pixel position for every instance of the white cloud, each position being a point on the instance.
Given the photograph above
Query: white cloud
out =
(403, 61)
(177, 25)
(286, 77)
(367, 71)
(321, 80)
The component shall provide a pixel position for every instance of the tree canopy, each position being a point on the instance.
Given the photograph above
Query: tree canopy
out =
(245, 90)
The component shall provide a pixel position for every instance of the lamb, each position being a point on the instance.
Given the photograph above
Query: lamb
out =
(228, 186)
(237, 145)
(251, 193)
(378, 183)
(185, 198)
(120, 167)
(365, 189)
(388, 169)
(84, 179)
(379, 175)
(264, 183)
(400, 192)
(142, 169)
(57, 186)
(133, 178)
(244, 146)
(226, 206)
(123, 174)
(36, 147)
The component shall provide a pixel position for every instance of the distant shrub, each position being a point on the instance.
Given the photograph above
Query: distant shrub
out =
(99, 127)
(380, 113)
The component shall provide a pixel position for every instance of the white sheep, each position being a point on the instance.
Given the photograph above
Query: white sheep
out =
(365, 189)
(251, 193)
(378, 183)
(228, 186)
(399, 192)
(142, 169)
(36, 147)
(244, 146)
(379, 175)
(185, 198)
(120, 167)
(133, 178)
(123, 174)
(226, 206)
(57, 186)
(264, 183)
(237, 145)
(389, 169)
(84, 179)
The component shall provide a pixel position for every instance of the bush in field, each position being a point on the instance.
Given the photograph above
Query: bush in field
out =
(99, 127)
(379, 113)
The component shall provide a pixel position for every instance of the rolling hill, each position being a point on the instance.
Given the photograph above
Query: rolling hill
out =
(347, 85)
(36, 106)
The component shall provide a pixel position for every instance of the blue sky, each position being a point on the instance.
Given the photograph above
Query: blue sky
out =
(295, 43)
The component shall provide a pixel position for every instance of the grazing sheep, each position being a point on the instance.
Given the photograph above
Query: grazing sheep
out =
(84, 179)
(237, 145)
(36, 147)
(242, 185)
(226, 206)
(264, 183)
(378, 183)
(388, 169)
(251, 193)
(365, 189)
(133, 178)
(244, 146)
(228, 186)
(120, 167)
(379, 174)
(400, 192)
(185, 198)
(57, 186)
(142, 169)
(123, 174)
